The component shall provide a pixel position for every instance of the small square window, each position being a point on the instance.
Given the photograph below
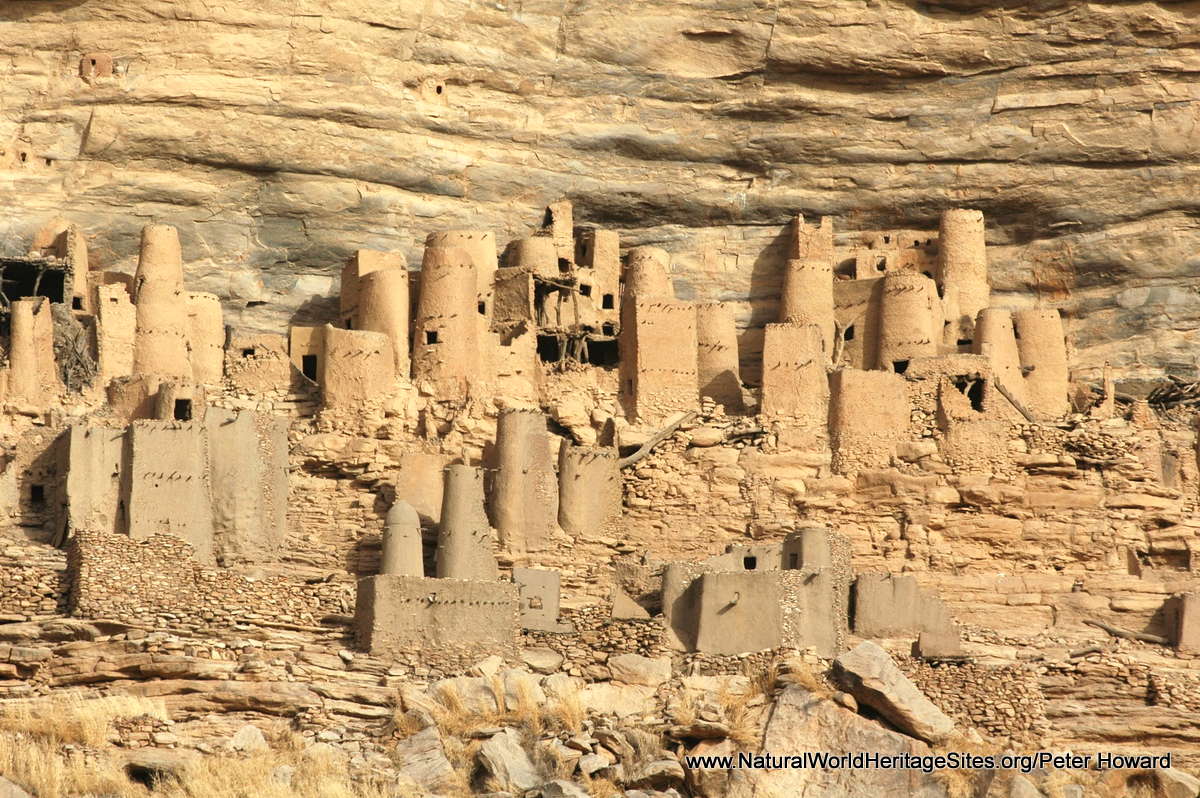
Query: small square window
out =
(749, 563)
(37, 494)
(606, 302)
(585, 289)
(431, 336)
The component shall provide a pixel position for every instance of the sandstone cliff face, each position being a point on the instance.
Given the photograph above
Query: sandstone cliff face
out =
(280, 138)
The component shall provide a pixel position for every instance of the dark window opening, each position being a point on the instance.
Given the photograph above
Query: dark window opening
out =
(606, 302)
(846, 268)
(603, 353)
(585, 289)
(76, 303)
(482, 308)
(899, 366)
(887, 239)
(749, 563)
(93, 62)
(254, 303)
(431, 336)
(964, 342)
(308, 366)
(183, 410)
(349, 323)
(37, 494)
(972, 389)
(941, 289)
(793, 561)
(608, 329)
(22, 280)
(975, 394)
(24, 157)
(440, 88)
(564, 265)
(548, 349)
(1016, 332)
(248, 352)
(848, 334)
(880, 264)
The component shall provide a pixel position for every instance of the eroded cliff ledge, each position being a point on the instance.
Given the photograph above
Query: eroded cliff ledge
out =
(278, 139)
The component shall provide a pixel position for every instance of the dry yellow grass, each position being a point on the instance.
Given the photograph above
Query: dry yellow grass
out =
(796, 671)
(602, 788)
(683, 710)
(74, 719)
(44, 768)
(565, 712)
(741, 719)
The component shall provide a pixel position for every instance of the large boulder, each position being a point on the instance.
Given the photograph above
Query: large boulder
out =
(10, 789)
(636, 669)
(870, 675)
(422, 760)
(1174, 783)
(503, 757)
(802, 721)
(614, 698)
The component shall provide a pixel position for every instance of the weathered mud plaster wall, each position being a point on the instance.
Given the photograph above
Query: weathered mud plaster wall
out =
(277, 148)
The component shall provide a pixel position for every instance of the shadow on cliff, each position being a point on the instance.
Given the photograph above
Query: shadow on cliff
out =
(12, 10)
(315, 311)
(766, 286)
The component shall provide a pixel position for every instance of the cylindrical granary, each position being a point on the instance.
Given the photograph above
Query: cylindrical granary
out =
(795, 385)
(962, 267)
(539, 254)
(524, 500)
(995, 339)
(402, 554)
(160, 260)
(717, 355)
(446, 345)
(1042, 346)
(647, 273)
(480, 245)
(907, 320)
(808, 290)
(589, 489)
(383, 307)
(465, 549)
(807, 548)
(27, 360)
(162, 332)
(206, 338)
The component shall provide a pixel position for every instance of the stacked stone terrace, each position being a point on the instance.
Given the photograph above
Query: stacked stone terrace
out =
(468, 444)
